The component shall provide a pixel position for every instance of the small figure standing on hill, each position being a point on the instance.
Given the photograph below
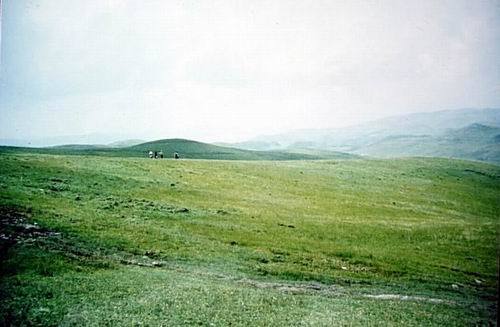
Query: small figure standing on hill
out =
(150, 154)
(160, 154)
(176, 155)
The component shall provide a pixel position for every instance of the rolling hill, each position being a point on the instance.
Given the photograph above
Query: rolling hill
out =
(198, 150)
(186, 148)
(472, 134)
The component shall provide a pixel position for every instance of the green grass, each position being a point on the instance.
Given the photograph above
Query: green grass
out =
(197, 241)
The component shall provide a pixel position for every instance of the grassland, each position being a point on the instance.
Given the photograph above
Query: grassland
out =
(126, 241)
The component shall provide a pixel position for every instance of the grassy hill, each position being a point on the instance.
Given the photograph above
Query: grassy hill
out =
(198, 150)
(186, 149)
(99, 240)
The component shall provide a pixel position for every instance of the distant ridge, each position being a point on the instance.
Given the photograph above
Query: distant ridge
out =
(125, 143)
(77, 146)
(463, 133)
(476, 142)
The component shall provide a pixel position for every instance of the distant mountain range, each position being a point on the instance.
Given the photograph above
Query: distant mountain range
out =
(113, 145)
(466, 133)
(475, 141)
(97, 139)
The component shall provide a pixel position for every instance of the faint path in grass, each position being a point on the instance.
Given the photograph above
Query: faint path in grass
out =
(400, 297)
(335, 290)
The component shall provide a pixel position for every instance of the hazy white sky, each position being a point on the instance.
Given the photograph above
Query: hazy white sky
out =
(229, 70)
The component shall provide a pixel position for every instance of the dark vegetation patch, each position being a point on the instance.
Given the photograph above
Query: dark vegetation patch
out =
(286, 225)
(114, 202)
(16, 228)
(481, 173)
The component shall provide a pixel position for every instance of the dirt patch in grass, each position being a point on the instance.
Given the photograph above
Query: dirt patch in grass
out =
(16, 228)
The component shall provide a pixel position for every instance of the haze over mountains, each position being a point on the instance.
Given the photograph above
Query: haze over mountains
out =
(465, 133)
(100, 139)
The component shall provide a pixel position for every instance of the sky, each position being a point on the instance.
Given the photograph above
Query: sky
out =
(231, 70)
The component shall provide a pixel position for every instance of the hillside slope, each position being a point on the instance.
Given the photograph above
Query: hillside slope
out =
(185, 148)
(198, 150)
(118, 241)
